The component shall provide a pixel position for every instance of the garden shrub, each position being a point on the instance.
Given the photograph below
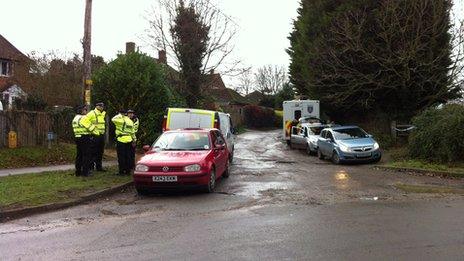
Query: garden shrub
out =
(135, 81)
(439, 135)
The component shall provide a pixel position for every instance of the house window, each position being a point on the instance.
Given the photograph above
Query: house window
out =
(5, 68)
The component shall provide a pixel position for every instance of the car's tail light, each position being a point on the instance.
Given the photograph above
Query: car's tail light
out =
(164, 125)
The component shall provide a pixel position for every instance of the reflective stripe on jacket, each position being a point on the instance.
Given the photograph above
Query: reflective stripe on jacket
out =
(124, 128)
(97, 118)
(82, 126)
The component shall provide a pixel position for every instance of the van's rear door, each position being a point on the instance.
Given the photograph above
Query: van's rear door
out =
(184, 118)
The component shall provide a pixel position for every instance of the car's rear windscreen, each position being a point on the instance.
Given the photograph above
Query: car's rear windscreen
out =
(183, 120)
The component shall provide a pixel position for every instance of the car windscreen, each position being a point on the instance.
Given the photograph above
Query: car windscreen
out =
(349, 133)
(182, 141)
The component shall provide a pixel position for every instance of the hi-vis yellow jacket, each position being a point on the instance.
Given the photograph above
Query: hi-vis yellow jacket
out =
(124, 128)
(82, 126)
(97, 118)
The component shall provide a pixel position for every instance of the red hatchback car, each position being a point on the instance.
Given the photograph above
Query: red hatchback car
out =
(184, 158)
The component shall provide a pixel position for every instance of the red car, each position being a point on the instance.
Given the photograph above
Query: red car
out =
(183, 158)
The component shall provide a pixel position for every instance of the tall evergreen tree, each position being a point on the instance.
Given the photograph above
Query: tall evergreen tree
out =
(369, 57)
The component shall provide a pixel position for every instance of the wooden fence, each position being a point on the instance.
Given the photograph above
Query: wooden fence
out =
(32, 128)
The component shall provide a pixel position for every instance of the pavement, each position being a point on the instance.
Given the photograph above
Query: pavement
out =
(9, 172)
(278, 204)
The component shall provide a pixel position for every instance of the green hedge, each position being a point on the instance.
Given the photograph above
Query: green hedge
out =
(439, 136)
(259, 117)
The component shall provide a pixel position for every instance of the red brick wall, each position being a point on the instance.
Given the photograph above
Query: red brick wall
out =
(3, 83)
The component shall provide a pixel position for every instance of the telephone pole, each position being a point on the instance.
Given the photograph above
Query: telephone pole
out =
(87, 44)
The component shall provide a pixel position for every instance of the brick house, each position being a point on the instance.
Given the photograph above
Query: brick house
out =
(12, 63)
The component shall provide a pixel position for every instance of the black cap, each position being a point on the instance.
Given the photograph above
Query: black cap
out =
(100, 104)
(122, 110)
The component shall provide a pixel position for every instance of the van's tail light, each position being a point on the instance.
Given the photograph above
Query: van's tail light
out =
(216, 124)
(164, 125)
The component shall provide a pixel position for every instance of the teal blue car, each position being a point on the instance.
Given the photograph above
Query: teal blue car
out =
(348, 144)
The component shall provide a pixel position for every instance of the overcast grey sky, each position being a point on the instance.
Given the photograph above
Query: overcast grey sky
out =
(58, 25)
(45, 25)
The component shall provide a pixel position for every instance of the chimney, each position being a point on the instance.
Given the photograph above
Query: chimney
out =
(162, 57)
(130, 47)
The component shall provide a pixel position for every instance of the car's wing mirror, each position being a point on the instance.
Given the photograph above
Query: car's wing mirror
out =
(370, 136)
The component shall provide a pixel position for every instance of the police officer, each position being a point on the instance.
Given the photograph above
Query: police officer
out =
(124, 130)
(98, 118)
(131, 114)
(83, 133)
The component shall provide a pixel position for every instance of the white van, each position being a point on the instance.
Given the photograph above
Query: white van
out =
(296, 110)
(183, 118)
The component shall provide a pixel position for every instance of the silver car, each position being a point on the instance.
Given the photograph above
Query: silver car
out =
(306, 137)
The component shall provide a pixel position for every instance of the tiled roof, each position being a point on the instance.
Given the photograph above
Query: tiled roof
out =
(255, 97)
(8, 51)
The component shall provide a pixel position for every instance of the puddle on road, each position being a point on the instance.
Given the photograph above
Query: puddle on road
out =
(254, 189)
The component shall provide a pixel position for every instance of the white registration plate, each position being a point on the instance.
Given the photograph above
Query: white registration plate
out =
(364, 155)
(164, 178)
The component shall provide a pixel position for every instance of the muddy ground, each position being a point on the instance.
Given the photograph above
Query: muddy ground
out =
(277, 204)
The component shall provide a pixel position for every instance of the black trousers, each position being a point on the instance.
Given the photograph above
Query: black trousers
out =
(125, 159)
(98, 150)
(84, 155)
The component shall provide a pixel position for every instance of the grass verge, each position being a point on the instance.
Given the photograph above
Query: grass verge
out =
(399, 159)
(240, 129)
(429, 189)
(24, 157)
(417, 164)
(37, 156)
(53, 187)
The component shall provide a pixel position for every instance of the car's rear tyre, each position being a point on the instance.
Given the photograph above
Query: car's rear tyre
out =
(142, 192)
(319, 154)
(335, 158)
(226, 173)
(212, 182)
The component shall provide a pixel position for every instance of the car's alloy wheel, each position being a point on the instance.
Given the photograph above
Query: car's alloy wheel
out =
(212, 182)
(227, 171)
(319, 154)
(335, 158)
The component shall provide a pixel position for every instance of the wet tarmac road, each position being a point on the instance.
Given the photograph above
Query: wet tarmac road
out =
(278, 204)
